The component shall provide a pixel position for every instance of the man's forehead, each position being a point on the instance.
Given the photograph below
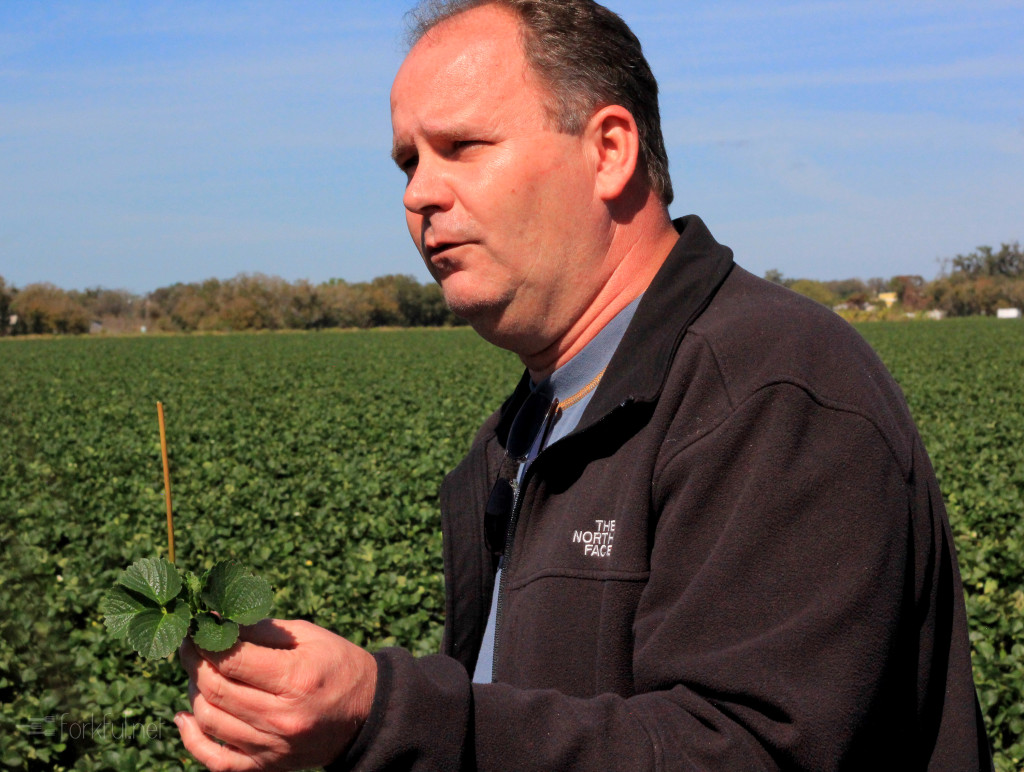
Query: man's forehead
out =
(453, 71)
(480, 42)
(487, 20)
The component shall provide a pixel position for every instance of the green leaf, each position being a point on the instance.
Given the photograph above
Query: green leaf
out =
(194, 586)
(214, 633)
(119, 607)
(155, 578)
(233, 592)
(157, 632)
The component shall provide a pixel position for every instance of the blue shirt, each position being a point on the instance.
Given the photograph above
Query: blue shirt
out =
(573, 384)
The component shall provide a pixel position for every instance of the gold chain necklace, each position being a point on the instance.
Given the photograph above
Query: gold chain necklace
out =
(570, 401)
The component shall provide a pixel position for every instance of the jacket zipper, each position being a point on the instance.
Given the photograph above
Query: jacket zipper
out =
(510, 534)
(503, 562)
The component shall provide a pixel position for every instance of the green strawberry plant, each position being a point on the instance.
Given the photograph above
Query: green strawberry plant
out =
(154, 607)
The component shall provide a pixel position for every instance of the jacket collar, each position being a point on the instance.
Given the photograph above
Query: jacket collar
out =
(679, 292)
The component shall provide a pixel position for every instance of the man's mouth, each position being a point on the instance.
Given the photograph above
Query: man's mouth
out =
(440, 251)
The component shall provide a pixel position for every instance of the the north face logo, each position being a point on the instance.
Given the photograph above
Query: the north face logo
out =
(596, 543)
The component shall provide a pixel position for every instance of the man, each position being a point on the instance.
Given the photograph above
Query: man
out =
(701, 534)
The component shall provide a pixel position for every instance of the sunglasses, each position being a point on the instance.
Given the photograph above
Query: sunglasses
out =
(536, 416)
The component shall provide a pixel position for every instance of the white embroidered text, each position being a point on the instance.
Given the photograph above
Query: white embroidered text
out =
(596, 543)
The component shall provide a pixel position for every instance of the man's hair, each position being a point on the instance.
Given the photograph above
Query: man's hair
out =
(587, 57)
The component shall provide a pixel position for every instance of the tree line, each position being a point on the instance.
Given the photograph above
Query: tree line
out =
(978, 283)
(246, 302)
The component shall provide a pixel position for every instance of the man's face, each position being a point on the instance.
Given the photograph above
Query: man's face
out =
(499, 203)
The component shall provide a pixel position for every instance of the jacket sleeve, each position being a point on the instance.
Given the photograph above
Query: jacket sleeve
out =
(803, 612)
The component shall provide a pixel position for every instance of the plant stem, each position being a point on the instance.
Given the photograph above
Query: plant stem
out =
(167, 481)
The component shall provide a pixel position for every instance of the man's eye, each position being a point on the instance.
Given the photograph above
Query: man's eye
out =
(408, 165)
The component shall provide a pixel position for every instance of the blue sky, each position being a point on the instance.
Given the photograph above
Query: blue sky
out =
(146, 143)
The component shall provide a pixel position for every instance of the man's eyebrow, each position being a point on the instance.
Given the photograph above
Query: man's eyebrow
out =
(438, 134)
(397, 150)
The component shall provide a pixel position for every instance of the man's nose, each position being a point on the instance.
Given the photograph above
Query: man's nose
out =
(428, 189)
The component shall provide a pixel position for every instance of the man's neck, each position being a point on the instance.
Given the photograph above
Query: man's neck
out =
(638, 251)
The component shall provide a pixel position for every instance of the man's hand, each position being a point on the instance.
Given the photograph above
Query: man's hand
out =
(290, 695)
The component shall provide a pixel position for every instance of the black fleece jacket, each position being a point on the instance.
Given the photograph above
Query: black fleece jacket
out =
(777, 587)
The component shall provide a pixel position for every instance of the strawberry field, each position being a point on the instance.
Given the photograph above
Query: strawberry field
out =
(315, 459)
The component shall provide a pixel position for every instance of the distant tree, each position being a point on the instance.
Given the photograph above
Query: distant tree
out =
(422, 305)
(877, 284)
(185, 307)
(102, 303)
(43, 308)
(910, 292)
(774, 275)
(845, 289)
(305, 309)
(6, 296)
(815, 290)
(1008, 261)
(960, 295)
(175, 308)
(254, 302)
(980, 282)
(383, 293)
(344, 304)
(857, 299)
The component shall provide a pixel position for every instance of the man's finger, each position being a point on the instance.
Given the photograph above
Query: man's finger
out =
(250, 664)
(189, 656)
(261, 659)
(217, 724)
(217, 757)
(248, 703)
(272, 633)
(268, 634)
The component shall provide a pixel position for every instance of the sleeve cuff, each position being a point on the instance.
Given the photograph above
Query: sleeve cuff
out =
(419, 718)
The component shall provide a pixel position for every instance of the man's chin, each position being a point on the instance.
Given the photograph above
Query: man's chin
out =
(474, 313)
(487, 316)
(473, 307)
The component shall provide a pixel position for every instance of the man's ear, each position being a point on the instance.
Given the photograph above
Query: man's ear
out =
(614, 138)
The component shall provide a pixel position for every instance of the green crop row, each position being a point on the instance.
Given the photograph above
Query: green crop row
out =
(313, 458)
(962, 379)
(316, 460)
